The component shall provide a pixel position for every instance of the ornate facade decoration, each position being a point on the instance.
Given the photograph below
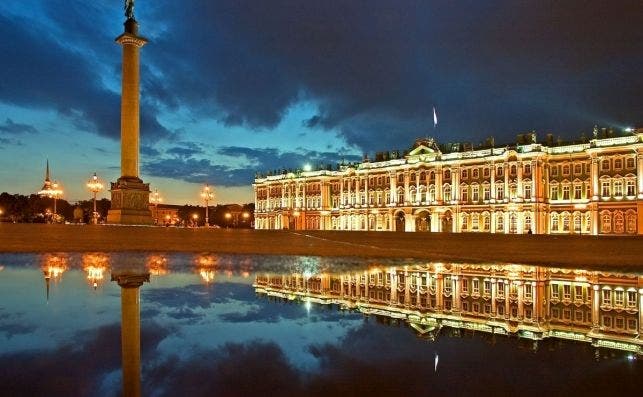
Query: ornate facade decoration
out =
(587, 188)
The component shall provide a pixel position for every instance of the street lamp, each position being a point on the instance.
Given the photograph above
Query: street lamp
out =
(228, 216)
(94, 186)
(155, 199)
(195, 217)
(207, 194)
(52, 191)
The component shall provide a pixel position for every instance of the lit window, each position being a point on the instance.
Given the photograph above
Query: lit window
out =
(464, 193)
(487, 193)
(618, 188)
(528, 290)
(631, 298)
(554, 222)
(476, 286)
(554, 192)
(605, 189)
(606, 222)
(554, 291)
(475, 194)
(607, 297)
(618, 297)
(630, 188)
(527, 192)
(500, 192)
(499, 171)
(578, 189)
(487, 287)
(567, 291)
(566, 192)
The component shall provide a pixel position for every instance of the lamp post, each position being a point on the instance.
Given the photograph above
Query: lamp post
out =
(155, 199)
(52, 190)
(195, 217)
(95, 186)
(207, 194)
(228, 216)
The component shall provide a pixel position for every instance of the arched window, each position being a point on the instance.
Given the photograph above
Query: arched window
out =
(447, 174)
(528, 222)
(630, 222)
(606, 222)
(400, 196)
(619, 222)
(464, 222)
(486, 222)
(500, 222)
(566, 220)
(431, 194)
(554, 222)
(447, 192)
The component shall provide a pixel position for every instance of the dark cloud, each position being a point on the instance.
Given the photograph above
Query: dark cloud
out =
(72, 369)
(11, 329)
(377, 68)
(42, 71)
(185, 150)
(198, 171)
(11, 128)
(189, 296)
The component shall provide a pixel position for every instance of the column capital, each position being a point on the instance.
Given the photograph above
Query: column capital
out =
(131, 280)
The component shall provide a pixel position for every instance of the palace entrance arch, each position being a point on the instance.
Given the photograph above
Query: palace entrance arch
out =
(423, 221)
(447, 222)
(400, 221)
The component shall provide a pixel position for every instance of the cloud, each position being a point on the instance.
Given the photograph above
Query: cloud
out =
(11, 128)
(73, 369)
(40, 71)
(376, 71)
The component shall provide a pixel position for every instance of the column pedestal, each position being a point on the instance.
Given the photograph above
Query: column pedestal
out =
(130, 198)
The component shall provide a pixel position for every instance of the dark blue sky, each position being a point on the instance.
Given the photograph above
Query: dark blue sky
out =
(234, 87)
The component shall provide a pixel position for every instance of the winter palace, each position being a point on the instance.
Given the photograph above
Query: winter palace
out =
(594, 187)
(533, 302)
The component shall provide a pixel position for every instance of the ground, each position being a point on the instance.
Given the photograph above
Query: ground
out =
(623, 253)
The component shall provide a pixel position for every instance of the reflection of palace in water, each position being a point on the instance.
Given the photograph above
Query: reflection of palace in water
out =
(530, 301)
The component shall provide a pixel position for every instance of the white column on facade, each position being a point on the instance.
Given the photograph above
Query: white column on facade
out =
(507, 301)
(455, 188)
(506, 171)
(535, 174)
(492, 186)
(283, 195)
(492, 220)
(494, 292)
(519, 191)
(639, 174)
(594, 178)
(640, 308)
(438, 184)
(366, 193)
(595, 306)
(439, 291)
(393, 187)
(520, 290)
(457, 306)
(407, 195)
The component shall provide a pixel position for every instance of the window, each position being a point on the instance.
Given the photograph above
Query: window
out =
(631, 324)
(487, 287)
(512, 170)
(565, 192)
(578, 169)
(527, 168)
(487, 193)
(447, 174)
(607, 321)
(565, 217)
(553, 192)
(527, 192)
(464, 224)
(606, 222)
(618, 188)
(607, 297)
(499, 171)
(475, 221)
(465, 285)
(485, 172)
(566, 170)
(500, 192)
(554, 222)
(578, 316)
(528, 291)
(447, 193)
(619, 222)
(567, 291)
(631, 298)
(618, 297)
(554, 291)
(464, 194)
(465, 173)
(527, 222)
(629, 163)
(486, 222)
(476, 286)
(618, 164)
(554, 170)
(475, 173)
(619, 323)
(605, 165)
(475, 194)
(605, 188)
(500, 222)
(630, 188)
(578, 189)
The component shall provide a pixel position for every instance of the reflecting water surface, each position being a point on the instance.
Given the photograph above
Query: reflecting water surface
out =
(152, 324)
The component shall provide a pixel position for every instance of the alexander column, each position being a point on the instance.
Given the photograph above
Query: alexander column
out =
(130, 196)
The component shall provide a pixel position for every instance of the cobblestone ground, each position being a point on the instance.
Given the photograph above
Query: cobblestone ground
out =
(624, 253)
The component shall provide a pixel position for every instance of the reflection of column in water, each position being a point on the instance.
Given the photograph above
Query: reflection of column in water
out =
(131, 330)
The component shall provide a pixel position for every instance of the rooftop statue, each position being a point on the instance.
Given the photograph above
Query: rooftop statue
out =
(129, 9)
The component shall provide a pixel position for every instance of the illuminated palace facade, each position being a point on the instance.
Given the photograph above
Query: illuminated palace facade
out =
(533, 302)
(588, 188)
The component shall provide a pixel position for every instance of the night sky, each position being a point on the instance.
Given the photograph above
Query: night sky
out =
(233, 87)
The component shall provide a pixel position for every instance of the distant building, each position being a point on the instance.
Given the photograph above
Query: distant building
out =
(165, 214)
(601, 308)
(593, 187)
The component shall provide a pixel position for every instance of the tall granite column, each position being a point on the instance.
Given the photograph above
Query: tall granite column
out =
(131, 330)
(130, 196)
